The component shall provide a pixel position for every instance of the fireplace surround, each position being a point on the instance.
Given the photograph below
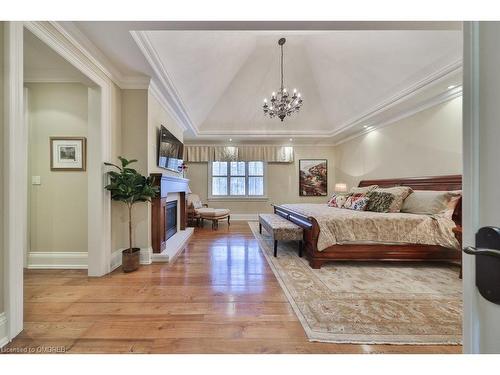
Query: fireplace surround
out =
(162, 215)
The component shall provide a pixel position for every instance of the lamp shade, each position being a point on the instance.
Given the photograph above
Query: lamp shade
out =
(341, 187)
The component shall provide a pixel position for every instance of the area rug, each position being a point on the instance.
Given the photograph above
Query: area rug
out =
(369, 302)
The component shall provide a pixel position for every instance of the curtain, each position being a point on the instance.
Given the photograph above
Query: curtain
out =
(268, 153)
(272, 154)
(225, 153)
(197, 154)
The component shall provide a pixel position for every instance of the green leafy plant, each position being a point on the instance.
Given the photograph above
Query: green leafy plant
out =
(130, 187)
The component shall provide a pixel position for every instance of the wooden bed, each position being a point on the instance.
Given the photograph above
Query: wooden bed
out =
(380, 252)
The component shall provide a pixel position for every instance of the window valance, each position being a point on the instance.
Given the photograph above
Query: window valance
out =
(268, 153)
(198, 154)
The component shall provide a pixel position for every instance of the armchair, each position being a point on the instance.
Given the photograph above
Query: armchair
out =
(197, 212)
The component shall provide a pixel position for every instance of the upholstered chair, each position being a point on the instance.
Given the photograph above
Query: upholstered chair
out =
(197, 212)
(193, 205)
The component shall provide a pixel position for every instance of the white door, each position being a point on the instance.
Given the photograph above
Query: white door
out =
(481, 173)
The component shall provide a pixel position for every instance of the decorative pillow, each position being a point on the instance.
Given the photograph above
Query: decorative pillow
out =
(338, 199)
(379, 201)
(400, 193)
(356, 202)
(363, 190)
(431, 202)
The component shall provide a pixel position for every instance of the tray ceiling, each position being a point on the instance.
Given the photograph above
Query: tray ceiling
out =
(218, 79)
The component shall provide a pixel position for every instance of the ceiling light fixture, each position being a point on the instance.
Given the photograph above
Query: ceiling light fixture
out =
(282, 104)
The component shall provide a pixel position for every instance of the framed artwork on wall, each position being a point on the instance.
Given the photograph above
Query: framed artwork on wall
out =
(68, 153)
(313, 177)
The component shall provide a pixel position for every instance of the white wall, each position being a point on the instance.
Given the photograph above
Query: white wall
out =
(282, 182)
(58, 207)
(428, 143)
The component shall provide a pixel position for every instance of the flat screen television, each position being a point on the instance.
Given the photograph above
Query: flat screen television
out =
(170, 150)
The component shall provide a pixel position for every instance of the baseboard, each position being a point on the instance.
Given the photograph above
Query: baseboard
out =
(245, 217)
(116, 257)
(4, 337)
(57, 260)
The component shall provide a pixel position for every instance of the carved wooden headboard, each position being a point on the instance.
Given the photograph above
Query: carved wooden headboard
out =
(441, 183)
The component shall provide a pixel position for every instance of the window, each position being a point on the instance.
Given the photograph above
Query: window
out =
(237, 179)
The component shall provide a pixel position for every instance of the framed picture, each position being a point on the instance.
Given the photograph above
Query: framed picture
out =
(313, 177)
(68, 153)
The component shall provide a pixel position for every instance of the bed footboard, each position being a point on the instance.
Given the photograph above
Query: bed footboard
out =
(311, 231)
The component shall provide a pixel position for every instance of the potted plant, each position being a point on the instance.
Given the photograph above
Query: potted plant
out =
(130, 187)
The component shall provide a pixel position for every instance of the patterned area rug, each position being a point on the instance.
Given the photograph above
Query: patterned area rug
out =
(369, 303)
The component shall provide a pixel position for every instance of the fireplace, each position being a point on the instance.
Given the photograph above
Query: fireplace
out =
(170, 219)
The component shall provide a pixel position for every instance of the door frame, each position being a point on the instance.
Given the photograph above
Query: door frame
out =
(470, 217)
(15, 155)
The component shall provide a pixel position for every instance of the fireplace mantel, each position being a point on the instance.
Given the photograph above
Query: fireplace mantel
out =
(170, 184)
(167, 185)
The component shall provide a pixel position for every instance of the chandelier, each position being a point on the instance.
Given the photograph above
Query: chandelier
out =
(282, 104)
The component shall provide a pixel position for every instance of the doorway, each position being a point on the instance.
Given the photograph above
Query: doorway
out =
(98, 97)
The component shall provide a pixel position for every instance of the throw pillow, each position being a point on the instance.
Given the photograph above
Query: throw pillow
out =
(399, 192)
(379, 201)
(338, 200)
(356, 202)
(431, 202)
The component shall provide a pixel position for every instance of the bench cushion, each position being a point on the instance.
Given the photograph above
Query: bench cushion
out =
(280, 228)
(212, 213)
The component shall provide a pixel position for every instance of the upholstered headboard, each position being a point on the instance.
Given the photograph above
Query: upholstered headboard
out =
(441, 183)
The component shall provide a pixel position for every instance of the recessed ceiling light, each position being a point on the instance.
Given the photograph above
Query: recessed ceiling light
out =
(365, 126)
(291, 139)
(230, 139)
(451, 87)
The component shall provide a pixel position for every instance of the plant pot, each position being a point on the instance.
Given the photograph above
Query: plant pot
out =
(131, 259)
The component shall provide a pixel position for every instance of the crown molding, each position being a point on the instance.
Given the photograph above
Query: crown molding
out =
(170, 95)
(401, 96)
(156, 92)
(432, 102)
(28, 79)
(95, 55)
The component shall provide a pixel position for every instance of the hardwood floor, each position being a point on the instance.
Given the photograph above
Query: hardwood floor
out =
(220, 296)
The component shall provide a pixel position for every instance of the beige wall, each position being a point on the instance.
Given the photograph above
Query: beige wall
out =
(426, 144)
(134, 145)
(1, 167)
(141, 116)
(157, 116)
(282, 182)
(117, 232)
(58, 207)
